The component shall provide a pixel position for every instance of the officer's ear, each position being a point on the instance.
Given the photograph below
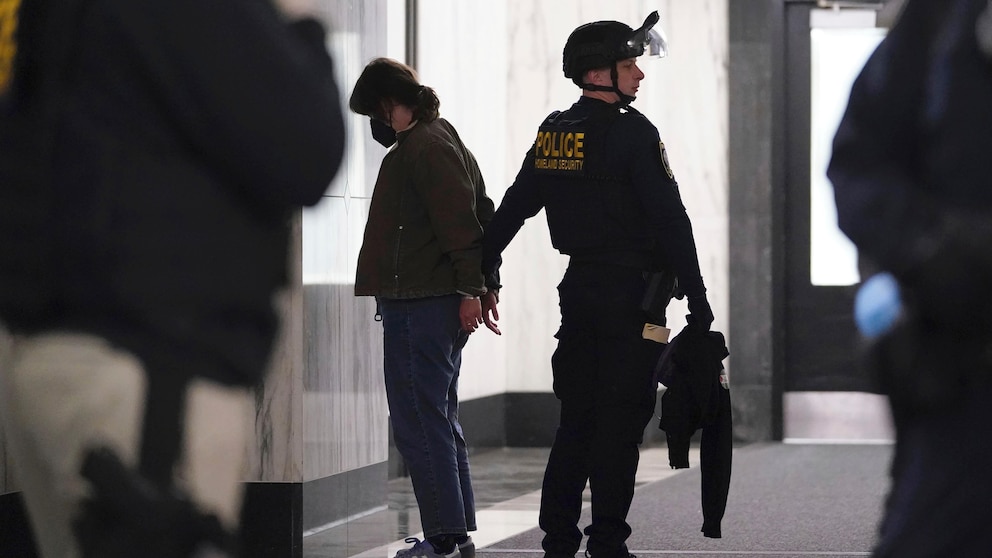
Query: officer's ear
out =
(598, 76)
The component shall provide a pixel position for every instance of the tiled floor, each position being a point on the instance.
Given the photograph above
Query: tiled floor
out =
(507, 484)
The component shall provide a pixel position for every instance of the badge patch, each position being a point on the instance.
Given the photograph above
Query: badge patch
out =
(664, 160)
(8, 46)
(560, 151)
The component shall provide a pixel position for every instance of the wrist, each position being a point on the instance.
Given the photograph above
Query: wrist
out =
(470, 293)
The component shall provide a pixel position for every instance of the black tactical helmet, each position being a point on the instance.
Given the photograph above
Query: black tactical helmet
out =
(602, 43)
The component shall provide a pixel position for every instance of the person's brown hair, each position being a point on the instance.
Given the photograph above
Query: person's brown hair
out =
(386, 79)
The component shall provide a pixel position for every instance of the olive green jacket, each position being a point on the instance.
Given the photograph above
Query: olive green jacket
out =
(424, 232)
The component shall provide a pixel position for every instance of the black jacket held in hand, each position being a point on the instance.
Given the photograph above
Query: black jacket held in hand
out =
(186, 135)
(690, 369)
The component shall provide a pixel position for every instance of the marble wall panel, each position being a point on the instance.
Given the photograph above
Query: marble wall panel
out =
(686, 96)
(346, 421)
(360, 31)
(277, 454)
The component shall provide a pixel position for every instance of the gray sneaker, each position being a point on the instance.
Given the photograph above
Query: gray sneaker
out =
(424, 549)
(467, 548)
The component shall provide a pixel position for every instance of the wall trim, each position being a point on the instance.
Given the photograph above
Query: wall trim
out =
(16, 538)
(275, 514)
(332, 499)
(516, 419)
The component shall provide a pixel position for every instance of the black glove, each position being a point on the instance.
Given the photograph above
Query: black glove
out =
(700, 314)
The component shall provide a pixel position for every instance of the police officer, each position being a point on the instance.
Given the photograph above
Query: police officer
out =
(600, 172)
(914, 193)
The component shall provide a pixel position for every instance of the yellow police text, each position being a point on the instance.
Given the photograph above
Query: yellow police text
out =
(560, 144)
(558, 164)
(8, 46)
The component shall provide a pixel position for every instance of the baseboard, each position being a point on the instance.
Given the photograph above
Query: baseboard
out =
(16, 538)
(531, 419)
(272, 520)
(276, 514)
(338, 497)
(510, 420)
(521, 420)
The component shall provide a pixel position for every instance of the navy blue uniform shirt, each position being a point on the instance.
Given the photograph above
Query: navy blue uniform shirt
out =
(630, 158)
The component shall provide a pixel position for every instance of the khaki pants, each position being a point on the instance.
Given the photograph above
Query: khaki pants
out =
(63, 393)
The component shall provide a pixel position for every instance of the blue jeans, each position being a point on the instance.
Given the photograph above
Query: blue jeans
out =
(423, 343)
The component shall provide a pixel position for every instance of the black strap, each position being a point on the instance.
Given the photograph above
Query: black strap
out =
(163, 424)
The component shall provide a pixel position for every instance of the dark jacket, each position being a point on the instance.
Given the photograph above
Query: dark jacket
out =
(625, 176)
(690, 369)
(909, 158)
(424, 232)
(189, 133)
(910, 175)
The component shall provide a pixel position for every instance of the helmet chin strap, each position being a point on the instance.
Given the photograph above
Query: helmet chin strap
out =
(624, 98)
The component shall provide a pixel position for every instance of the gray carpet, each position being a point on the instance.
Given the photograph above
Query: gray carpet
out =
(785, 500)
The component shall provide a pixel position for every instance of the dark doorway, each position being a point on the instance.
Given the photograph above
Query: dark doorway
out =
(821, 342)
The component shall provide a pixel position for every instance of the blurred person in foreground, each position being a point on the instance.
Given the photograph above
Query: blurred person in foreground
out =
(421, 258)
(601, 173)
(137, 280)
(914, 193)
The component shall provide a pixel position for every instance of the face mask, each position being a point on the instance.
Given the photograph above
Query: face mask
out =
(382, 132)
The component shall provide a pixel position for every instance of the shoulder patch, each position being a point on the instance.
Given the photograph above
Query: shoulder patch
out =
(664, 160)
(8, 42)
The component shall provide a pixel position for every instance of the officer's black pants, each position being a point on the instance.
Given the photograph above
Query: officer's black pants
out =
(603, 376)
(941, 495)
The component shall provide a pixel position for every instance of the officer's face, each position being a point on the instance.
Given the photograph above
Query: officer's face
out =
(629, 76)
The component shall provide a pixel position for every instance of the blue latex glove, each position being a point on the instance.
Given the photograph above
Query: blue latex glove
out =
(877, 305)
